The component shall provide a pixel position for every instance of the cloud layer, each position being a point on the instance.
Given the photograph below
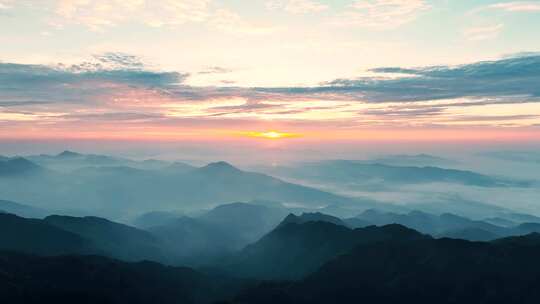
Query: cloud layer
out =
(115, 90)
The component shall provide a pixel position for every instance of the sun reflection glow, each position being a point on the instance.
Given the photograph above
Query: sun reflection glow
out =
(270, 134)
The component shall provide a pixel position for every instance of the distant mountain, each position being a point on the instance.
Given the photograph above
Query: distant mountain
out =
(177, 167)
(113, 239)
(22, 210)
(312, 217)
(17, 167)
(444, 225)
(67, 161)
(350, 173)
(499, 221)
(231, 183)
(521, 218)
(93, 279)
(155, 218)
(471, 234)
(456, 204)
(419, 160)
(423, 271)
(516, 156)
(292, 251)
(69, 154)
(218, 233)
(527, 228)
(248, 222)
(194, 242)
(437, 225)
(35, 236)
(123, 191)
(532, 239)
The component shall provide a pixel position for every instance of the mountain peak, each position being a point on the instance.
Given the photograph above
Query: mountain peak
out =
(311, 217)
(18, 165)
(68, 154)
(220, 166)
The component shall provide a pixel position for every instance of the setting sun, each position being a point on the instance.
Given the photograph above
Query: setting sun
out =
(271, 134)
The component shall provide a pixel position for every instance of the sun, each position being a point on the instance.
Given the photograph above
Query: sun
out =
(270, 134)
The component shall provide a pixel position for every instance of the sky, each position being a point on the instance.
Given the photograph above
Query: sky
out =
(271, 73)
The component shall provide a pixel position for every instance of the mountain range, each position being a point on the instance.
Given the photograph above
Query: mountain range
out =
(111, 190)
(447, 225)
(419, 271)
(365, 174)
(293, 250)
(94, 279)
(22, 210)
(307, 258)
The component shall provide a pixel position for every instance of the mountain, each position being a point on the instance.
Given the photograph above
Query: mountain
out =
(122, 192)
(93, 279)
(22, 210)
(312, 217)
(176, 167)
(194, 242)
(17, 167)
(352, 174)
(471, 234)
(246, 221)
(233, 184)
(35, 236)
(458, 205)
(527, 228)
(68, 161)
(499, 221)
(220, 232)
(418, 160)
(423, 271)
(447, 225)
(293, 250)
(532, 239)
(532, 157)
(113, 239)
(69, 154)
(155, 218)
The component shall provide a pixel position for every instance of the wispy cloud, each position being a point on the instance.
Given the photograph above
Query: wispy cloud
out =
(517, 6)
(121, 88)
(296, 6)
(506, 77)
(382, 14)
(483, 32)
(215, 70)
(98, 14)
(231, 22)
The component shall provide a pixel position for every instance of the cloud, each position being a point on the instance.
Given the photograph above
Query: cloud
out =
(98, 14)
(117, 87)
(296, 6)
(230, 22)
(483, 32)
(513, 78)
(108, 73)
(518, 76)
(404, 111)
(382, 14)
(215, 70)
(517, 6)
